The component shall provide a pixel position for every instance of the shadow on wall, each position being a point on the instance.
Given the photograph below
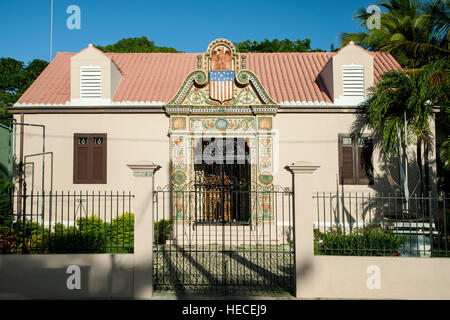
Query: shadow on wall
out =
(388, 179)
(357, 209)
(46, 276)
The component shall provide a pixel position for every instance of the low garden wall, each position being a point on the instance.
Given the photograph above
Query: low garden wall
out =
(338, 277)
(66, 276)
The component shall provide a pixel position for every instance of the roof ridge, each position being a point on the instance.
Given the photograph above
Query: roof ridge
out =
(196, 53)
(162, 53)
(321, 52)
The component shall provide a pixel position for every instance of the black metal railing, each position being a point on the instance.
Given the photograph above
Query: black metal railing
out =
(365, 224)
(67, 222)
(204, 245)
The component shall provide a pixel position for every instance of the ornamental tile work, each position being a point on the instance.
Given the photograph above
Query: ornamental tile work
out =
(222, 124)
(200, 97)
(265, 178)
(178, 123)
(178, 176)
(265, 154)
(248, 115)
(265, 123)
(178, 146)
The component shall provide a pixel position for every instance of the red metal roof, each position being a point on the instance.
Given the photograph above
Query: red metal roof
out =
(156, 77)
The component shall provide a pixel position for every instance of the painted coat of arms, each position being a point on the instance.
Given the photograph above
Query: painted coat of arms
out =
(221, 85)
(221, 75)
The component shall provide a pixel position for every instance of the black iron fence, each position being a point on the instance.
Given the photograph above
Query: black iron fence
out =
(67, 222)
(224, 241)
(364, 224)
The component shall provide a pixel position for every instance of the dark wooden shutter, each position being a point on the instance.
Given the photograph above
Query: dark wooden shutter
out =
(98, 172)
(89, 165)
(355, 160)
(364, 162)
(346, 162)
(81, 159)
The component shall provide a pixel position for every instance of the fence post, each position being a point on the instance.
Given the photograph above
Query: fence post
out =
(143, 175)
(302, 180)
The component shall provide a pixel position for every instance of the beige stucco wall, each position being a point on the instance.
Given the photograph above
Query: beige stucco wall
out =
(309, 137)
(400, 278)
(130, 138)
(313, 137)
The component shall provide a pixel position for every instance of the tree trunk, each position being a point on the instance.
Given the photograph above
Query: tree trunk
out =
(426, 161)
(420, 166)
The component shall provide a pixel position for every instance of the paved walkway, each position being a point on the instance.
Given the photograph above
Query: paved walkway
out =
(232, 271)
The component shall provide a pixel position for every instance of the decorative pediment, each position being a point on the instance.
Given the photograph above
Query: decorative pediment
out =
(222, 82)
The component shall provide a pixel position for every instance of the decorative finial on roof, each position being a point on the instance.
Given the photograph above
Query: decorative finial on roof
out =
(90, 45)
(352, 43)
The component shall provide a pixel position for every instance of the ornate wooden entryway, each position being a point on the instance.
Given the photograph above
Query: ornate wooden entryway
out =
(222, 180)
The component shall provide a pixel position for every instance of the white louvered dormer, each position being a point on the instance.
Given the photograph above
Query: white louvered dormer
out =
(353, 80)
(94, 78)
(90, 82)
(349, 75)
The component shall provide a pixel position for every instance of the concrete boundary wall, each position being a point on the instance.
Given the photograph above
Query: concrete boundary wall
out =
(105, 276)
(45, 276)
(339, 277)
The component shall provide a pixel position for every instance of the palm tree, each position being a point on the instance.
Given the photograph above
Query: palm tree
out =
(416, 33)
(413, 31)
(400, 99)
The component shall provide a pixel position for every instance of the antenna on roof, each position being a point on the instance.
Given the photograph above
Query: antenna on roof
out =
(51, 29)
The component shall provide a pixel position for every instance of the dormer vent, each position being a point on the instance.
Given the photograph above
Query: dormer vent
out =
(353, 80)
(90, 82)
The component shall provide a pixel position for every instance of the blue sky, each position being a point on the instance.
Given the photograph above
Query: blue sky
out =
(185, 25)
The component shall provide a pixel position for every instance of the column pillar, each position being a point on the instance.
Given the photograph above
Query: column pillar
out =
(143, 176)
(302, 179)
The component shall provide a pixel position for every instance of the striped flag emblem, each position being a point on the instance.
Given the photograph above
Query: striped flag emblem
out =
(221, 85)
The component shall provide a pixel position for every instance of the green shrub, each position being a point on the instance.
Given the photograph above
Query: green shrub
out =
(76, 241)
(367, 241)
(122, 230)
(88, 235)
(24, 230)
(8, 243)
(162, 230)
(6, 202)
(22, 237)
(91, 223)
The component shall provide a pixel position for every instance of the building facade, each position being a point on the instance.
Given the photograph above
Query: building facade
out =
(251, 113)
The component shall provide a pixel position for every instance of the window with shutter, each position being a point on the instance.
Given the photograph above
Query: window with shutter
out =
(90, 82)
(355, 160)
(346, 160)
(89, 159)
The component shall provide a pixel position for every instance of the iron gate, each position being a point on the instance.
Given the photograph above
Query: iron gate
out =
(223, 237)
